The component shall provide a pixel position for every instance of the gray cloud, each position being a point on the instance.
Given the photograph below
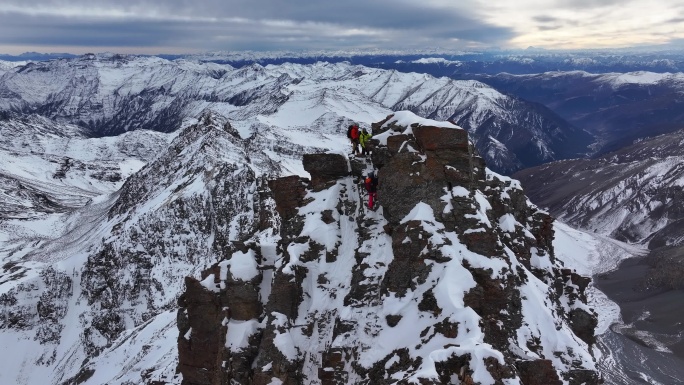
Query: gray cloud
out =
(675, 20)
(82, 33)
(550, 23)
(244, 24)
(584, 4)
(544, 19)
(549, 27)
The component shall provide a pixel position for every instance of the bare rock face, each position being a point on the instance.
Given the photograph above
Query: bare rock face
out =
(539, 372)
(200, 346)
(288, 193)
(423, 166)
(452, 280)
(325, 169)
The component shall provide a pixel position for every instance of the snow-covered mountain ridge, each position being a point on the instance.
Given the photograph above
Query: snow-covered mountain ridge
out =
(117, 264)
(95, 303)
(111, 94)
(453, 280)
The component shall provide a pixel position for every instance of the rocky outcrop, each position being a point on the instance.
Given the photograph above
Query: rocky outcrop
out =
(200, 348)
(325, 169)
(454, 278)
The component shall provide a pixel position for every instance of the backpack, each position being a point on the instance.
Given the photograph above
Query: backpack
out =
(349, 130)
(354, 132)
(371, 183)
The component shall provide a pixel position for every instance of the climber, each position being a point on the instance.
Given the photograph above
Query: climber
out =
(371, 184)
(364, 139)
(353, 135)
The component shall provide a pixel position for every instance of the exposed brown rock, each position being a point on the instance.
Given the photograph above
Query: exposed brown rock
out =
(395, 142)
(201, 345)
(288, 193)
(442, 138)
(538, 372)
(325, 168)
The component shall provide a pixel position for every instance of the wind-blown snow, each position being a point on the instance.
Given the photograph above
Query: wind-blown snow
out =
(407, 118)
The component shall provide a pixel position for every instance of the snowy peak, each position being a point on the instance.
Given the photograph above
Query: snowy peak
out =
(111, 94)
(452, 279)
(193, 158)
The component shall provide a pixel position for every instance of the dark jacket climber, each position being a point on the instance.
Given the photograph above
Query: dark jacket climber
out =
(371, 184)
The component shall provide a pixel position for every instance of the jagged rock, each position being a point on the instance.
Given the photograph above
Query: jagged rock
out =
(445, 259)
(201, 345)
(325, 168)
(288, 193)
(358, 166)
(583, 324)
(408, 267)
(579, 377)
(442, 165)
(538, 372)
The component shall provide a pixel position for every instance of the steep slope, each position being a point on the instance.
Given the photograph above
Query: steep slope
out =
(631, 194)
(97, 282)
(453, 280)
(49, 170)
(117, 266)
(51, 167)
(111, 94)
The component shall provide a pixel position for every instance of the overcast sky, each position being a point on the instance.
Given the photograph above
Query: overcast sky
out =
(185, 26)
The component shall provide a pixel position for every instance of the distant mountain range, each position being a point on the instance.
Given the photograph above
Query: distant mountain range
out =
(112, 94)
(616, 108)
(633, 194)
(440, 62)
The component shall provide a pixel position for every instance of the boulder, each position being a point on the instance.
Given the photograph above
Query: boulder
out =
(325, 168)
